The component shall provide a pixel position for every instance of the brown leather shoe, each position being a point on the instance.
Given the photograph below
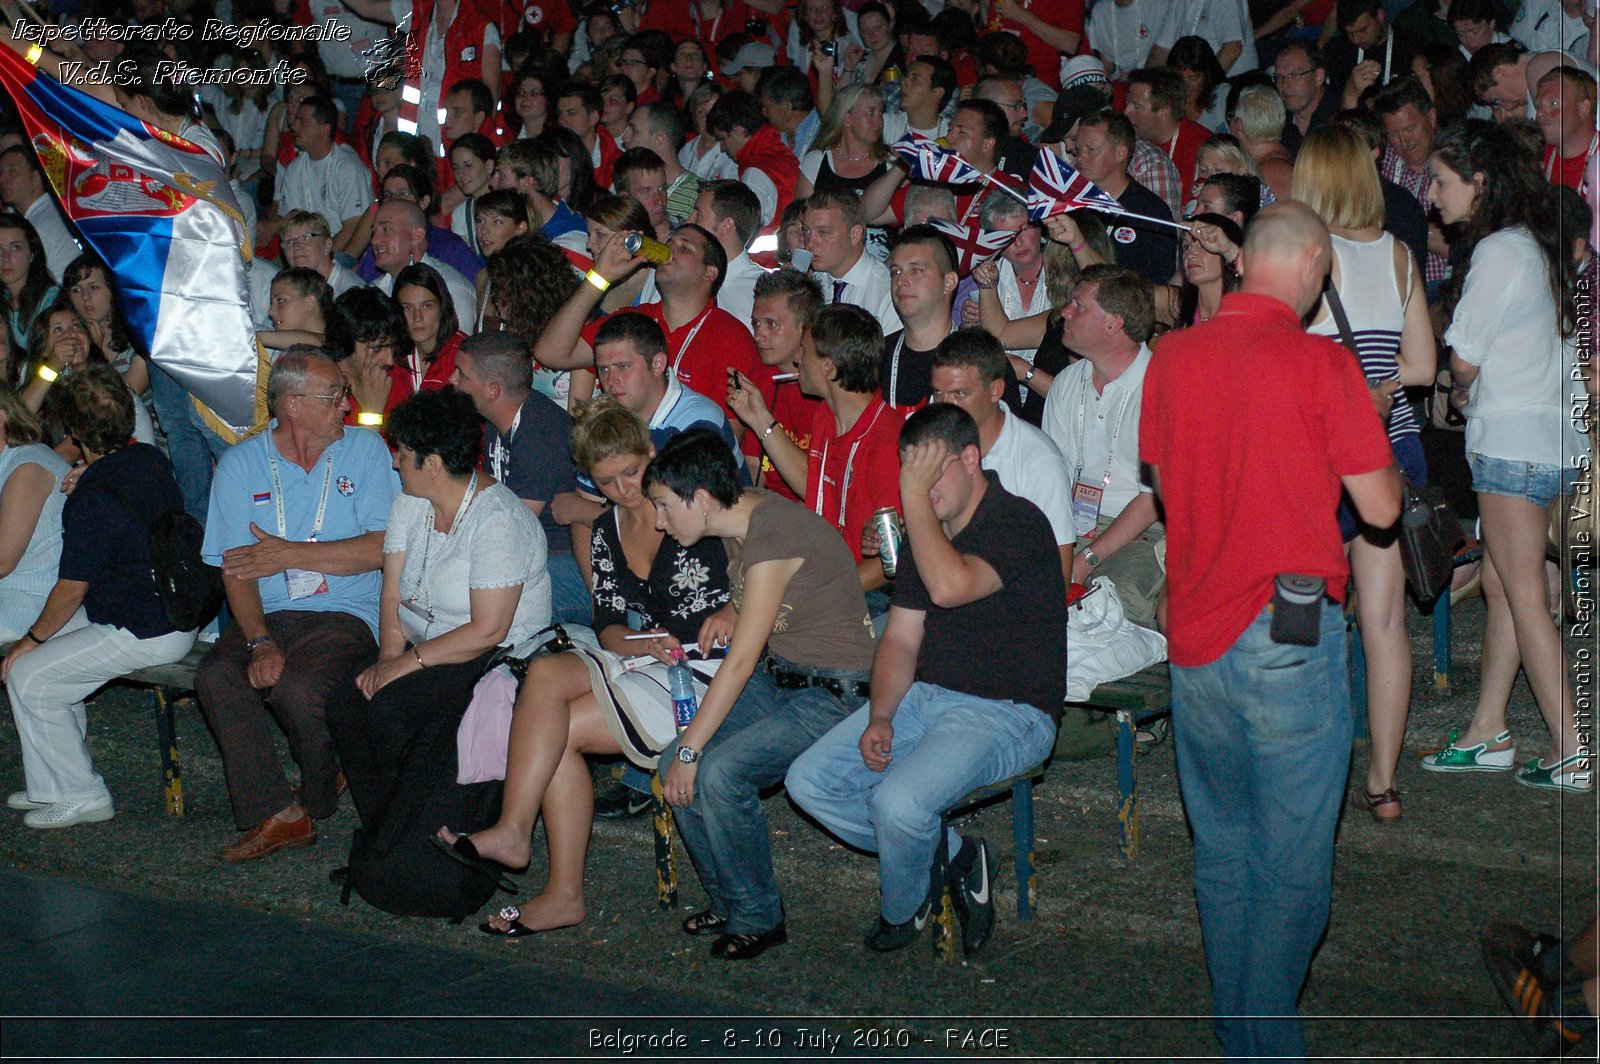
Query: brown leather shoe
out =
(269, 836)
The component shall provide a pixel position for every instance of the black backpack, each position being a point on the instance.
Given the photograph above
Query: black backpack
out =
(393, 862)
(189, 589)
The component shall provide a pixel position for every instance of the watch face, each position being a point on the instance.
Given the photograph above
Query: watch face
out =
(687, 756)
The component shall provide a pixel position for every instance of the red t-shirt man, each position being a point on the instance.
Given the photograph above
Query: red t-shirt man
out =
(795, 411)
(1564, 171)
(1249, 475)
(849, 477)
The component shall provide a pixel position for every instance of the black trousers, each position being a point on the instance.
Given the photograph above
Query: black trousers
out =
(374, 738)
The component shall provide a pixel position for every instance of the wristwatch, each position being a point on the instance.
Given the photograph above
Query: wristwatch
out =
(688, 755)
(1091, 557)
(251, 644)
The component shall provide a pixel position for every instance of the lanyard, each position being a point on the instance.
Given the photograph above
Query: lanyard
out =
(500, 453)
(1199, 13)
(694, 9)
(1388, 55)
(1111, 454)
(849, 469)
(1116, 31)
(427, 543)
(277, 497)
(683, 348)
(894, 370)
(1555, 153)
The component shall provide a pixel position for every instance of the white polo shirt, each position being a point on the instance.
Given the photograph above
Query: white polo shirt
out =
(1097, 431)
(1029, 465)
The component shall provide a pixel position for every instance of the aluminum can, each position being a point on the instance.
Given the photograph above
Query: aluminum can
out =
(887, 521)
(648, 248)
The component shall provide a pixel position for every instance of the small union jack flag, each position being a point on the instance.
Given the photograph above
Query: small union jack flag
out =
(974, 245)
(1055, 188)
(930, 162)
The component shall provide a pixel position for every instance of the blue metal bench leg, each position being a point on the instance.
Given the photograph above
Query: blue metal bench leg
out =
(1441, 642)
(171, 769)
(1022, 839)
(1127, 785)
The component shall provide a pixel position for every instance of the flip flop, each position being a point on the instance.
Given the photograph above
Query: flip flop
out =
(513, 916)
(464, 852)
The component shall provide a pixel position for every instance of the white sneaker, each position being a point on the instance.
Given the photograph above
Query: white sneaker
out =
(20, 802)
(66, 814)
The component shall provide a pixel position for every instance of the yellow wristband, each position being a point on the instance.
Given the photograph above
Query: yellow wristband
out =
(595, 279)
(370, 420)
(32, 54)
(48, 375)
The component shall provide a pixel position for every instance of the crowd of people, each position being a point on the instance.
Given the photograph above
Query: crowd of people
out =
(630, 319)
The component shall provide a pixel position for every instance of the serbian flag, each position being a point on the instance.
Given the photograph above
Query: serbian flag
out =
(1056, 188)
(158, 209)
(974, 244)
(930, 162)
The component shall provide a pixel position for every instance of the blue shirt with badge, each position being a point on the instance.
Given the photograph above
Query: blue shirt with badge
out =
(352, 484)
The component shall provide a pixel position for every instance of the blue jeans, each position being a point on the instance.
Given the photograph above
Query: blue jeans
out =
(570, 602)
(946, 744)
(1263, 745)
(186, 442)
(724, 829)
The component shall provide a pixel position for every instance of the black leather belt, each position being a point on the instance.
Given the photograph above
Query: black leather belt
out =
(794, 681)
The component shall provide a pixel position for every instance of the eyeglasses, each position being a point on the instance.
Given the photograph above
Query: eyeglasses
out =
(304, 238)
(1293, 75)
(339, 397)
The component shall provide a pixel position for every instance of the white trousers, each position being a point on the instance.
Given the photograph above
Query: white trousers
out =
(47, 689)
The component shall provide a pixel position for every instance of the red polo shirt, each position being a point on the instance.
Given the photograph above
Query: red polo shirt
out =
(850, 476)
(1250, 423)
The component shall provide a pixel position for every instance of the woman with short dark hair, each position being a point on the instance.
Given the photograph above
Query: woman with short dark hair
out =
(431, 320)
(103, 618)
(464, 574)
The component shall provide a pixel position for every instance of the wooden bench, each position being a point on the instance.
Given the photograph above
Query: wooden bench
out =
(170, 684)
(1136, 700)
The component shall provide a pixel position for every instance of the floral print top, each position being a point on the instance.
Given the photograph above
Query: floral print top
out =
(686, 585)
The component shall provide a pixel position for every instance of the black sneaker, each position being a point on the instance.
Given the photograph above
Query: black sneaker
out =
(621, 803)
(887, 937)
(974, 898)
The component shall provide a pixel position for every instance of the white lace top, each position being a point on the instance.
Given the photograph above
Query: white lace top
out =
(497, 543)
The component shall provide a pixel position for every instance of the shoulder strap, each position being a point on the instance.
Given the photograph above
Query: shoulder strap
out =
(1336, 306)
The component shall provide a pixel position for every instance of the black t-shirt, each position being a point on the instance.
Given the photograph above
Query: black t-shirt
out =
(1342, 58)
(536, 464)
(686, 584)
(1052, 358)
(107, 546)
(905, 377)
(1404, 217)
(1147, 247)
(1011, 645)
(1017, 156)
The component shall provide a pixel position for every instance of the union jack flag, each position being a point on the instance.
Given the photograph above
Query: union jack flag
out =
(1055, 188)
(974, 245)
(931, 162)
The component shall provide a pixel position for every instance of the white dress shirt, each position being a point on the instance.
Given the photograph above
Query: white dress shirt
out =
(1030, 466)
(866, 285)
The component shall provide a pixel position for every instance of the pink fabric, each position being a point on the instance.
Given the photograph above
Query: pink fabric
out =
(485, 730)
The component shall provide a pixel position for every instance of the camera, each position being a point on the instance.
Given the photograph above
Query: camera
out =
(830, 49)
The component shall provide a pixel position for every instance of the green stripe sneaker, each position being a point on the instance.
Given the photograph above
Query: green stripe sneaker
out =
(1572, 774)
(1477, 758)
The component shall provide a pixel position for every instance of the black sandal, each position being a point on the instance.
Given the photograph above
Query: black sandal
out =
(748, 947)
(704, 923)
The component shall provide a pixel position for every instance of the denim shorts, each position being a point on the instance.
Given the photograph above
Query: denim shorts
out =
(1520, 480)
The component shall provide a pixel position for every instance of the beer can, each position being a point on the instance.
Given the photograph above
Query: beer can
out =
(887, 521)
(648, 248)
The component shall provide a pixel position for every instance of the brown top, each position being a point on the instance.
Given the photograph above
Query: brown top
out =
(823, 620)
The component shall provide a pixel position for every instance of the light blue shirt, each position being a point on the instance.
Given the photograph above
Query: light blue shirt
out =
(362, 485)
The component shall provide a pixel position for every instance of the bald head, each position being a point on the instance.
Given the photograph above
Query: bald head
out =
(399, 235)
(1286, 255)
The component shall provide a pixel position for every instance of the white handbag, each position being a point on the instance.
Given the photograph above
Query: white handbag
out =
(1102, 644)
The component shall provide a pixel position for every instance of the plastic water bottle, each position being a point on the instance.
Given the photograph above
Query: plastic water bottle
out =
(681, 682)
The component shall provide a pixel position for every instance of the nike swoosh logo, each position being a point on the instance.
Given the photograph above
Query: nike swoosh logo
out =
(922, 917)
(981, 895)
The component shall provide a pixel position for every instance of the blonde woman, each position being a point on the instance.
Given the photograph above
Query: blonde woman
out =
(849, 152)
(1375, 281)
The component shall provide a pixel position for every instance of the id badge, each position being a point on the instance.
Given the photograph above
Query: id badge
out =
(1086, 509)
(304, 583)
